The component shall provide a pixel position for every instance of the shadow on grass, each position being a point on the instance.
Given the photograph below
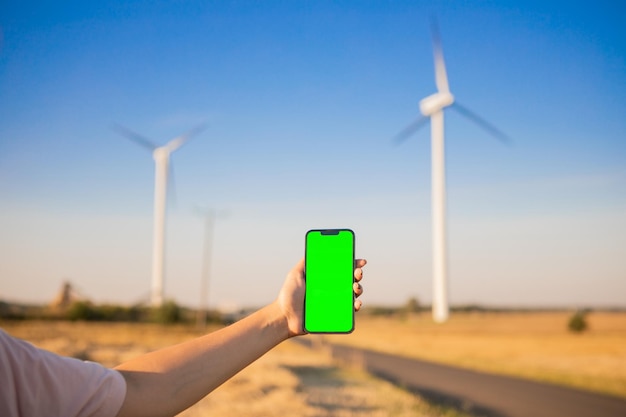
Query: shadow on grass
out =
(327, 389)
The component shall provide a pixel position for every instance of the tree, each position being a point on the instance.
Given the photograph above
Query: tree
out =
(578, 322)
(412, 305)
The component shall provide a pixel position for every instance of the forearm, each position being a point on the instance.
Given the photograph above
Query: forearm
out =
(167, 381)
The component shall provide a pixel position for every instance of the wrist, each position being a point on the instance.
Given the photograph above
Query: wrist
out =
(287, 319)
(278, 320)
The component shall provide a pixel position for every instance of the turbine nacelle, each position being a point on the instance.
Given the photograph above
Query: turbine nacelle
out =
(161, 153)
(436, 102)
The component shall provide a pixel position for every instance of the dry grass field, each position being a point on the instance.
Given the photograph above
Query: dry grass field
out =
(290, 380)
(531, 345)
(294, 380)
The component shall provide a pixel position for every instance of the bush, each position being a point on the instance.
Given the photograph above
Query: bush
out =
(84, 311)
(380, 311)
(168, 313)
(578, 322)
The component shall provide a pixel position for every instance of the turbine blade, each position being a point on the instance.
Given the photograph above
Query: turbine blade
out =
(494, 131)
(181, 140)
(408, 131)
(441, 77)
(135, 137)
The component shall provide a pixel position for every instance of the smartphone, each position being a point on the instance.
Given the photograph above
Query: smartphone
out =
(329, 276)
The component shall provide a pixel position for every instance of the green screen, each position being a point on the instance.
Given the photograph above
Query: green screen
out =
(329, 272)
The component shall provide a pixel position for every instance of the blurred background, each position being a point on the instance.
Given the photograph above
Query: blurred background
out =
(302, 100)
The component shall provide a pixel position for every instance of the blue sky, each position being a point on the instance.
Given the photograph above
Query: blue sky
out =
(302, 100)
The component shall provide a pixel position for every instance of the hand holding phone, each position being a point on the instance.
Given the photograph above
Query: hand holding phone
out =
(329, 278)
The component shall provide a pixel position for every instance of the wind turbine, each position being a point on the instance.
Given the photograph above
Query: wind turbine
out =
(161, 155)
(432, 107)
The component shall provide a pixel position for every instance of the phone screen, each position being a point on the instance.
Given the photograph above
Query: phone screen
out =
(329, 275)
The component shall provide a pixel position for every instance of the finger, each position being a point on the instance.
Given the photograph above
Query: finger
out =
(358, 289)
(357, 305)
(299, 267)
(358, 269)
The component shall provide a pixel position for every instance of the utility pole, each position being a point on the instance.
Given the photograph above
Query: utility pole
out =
(210, 216)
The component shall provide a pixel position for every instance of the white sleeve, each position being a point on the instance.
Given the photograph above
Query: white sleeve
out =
(35, 382)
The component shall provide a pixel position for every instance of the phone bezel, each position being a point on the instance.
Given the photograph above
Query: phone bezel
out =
(304, 309)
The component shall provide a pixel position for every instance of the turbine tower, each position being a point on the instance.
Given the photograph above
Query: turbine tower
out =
(432, 107)
(161, 155)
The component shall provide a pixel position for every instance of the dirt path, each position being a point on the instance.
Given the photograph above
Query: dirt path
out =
(481, 393)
